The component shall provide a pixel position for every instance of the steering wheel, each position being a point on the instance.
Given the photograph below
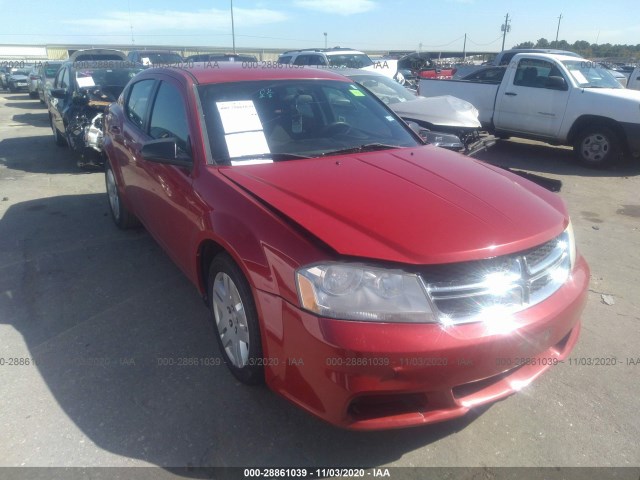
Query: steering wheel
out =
(337, 128)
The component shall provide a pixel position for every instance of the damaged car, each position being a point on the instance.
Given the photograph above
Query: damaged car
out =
(445, 121)
(78, 97)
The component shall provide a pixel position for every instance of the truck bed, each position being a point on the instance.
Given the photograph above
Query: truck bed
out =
(481, 95)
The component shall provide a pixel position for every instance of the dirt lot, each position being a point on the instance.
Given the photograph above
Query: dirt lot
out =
(95, 311)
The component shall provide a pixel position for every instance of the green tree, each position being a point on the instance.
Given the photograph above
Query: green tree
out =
(542, 43)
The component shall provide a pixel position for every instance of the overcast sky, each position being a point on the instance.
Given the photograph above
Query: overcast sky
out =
(361, 24)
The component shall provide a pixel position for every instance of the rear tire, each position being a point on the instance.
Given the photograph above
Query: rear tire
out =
(597, 146)
(235, 320)
(119, 213)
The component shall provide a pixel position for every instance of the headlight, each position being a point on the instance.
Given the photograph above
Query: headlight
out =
(359, 292)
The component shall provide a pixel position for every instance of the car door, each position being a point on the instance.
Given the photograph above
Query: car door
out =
(129, 138)
(530, 103)
(167, 197)
(59, 105)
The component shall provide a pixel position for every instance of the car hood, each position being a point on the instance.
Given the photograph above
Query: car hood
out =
(19, 77)
(412, 205)
(624, 94)
(444, 110)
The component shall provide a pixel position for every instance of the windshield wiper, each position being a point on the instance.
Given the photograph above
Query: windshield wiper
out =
(270, 156)
(368, 147)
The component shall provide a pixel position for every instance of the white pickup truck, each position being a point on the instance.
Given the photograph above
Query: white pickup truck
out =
(561, 100)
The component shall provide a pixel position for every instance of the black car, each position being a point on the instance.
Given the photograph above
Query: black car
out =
(155, 58)
(78, 97)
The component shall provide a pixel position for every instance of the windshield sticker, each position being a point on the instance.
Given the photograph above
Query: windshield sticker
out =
(146, 61)
(390, 118)
(239, 116)
(578, 75)
(84, 82)
(356, 93)
(246, 144)
(242, 128)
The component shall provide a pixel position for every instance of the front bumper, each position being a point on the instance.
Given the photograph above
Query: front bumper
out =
(370, 376)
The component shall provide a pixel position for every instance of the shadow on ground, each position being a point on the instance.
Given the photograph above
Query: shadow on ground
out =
(557, 161)
(38, 154)
(115, 329)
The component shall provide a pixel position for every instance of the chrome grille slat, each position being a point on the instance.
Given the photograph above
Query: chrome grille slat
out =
(461, 292)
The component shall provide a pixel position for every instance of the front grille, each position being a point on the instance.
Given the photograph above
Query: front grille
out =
(472, 291)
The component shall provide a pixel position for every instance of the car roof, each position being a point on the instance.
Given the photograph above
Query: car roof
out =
(203, 73)
(95, 54)
(153, 51)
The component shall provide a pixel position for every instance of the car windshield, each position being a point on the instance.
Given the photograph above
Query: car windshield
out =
(386, 89)
(106, 83)
(350, 60)
(149, 58)
(21, 72)
(591, 75)
(273, 120)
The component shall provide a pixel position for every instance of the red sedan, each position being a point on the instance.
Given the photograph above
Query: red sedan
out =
(372, 280)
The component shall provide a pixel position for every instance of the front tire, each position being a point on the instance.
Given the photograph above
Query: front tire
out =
(597, 147)
(119, 213)
(235, 320)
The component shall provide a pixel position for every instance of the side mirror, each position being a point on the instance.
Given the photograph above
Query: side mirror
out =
(556, 83)
(417, 129)
(60, 93)
(166, 150)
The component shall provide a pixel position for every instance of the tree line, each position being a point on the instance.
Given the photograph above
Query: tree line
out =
(626, 53)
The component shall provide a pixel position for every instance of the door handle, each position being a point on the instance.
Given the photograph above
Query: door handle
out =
(511, 94)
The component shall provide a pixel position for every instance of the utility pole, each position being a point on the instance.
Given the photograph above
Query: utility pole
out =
(505, 28)
(233, 30)
(558, 30)
(464, 49)
(325, 40)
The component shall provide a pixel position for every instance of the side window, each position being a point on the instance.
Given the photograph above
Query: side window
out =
(64, 82)
(136, 104)
(300, 60)
(58, 81)
(535, 73)
(169, 116)
(316, 60)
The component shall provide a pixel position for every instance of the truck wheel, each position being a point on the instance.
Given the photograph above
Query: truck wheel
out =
(235, 320)
(597, 147)
(119, 213)
(59, 139)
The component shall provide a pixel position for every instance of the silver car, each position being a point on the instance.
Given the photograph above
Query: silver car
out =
(34, 79)
(47, 72)
(18, 80)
